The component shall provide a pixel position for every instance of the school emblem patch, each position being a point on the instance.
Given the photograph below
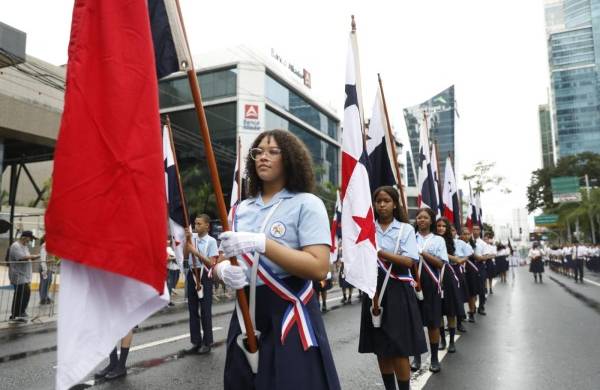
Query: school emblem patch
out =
(277, 230)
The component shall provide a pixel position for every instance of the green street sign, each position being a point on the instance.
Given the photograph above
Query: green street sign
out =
(546, 219)
(565, 189)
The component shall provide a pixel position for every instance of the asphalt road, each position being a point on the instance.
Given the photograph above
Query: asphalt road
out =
(534, 336)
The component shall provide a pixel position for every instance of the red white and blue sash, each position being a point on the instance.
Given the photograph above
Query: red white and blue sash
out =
(296, 311)
(406, 278)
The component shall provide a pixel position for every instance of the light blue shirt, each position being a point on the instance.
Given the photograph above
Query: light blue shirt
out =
(434, 245)
(300, 220)
(206, 245)
(462, 248)
(387, 239)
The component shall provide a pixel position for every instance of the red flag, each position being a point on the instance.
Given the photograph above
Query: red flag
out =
(107, 213)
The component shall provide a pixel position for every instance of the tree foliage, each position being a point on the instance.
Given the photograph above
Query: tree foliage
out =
(483, 178)
(539, 191)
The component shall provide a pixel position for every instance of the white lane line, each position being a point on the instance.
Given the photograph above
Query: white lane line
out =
(592, 282)
(421, 380)
(165, 341)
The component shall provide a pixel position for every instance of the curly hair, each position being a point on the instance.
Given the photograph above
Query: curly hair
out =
(447, 236)
(431, 217)
(297, 163)
(398, 212)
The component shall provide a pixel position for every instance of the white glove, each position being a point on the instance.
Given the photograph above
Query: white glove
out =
(234, 276)
(236, 243)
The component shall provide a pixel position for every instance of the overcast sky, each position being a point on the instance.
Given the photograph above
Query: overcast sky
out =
(494, 52)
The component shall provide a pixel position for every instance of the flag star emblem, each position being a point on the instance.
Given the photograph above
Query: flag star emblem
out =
(367, 227)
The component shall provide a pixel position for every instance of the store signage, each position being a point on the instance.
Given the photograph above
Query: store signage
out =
(251, 119)
(296, 70)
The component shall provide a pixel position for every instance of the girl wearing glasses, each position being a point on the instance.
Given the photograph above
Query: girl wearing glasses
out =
(285, 226)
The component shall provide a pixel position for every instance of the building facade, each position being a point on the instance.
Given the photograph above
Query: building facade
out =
(573, 38)
(546, 138)
(245, 92)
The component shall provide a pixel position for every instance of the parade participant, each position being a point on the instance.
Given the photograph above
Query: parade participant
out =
(201, 251)
(433, 256)
(490, 265)
(400, 333)
(344, 285)
(480, 257)
(459, 263)
(568, 262)
(452, 302)
(472, 272)
(285, 227)
(579, 255)
(172, 271)
(537, 265)
(502, 261)
(116, 366)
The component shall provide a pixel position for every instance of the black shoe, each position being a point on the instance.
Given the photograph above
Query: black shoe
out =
(117, 372)
(435, 367)
(324, 309)
(416, 364)
(203, 350)
(343, 301)
(442, 344)
(461, 328)
(171, 304)
(451, 348)
(471, 317)
(481, 311)
(491, 291)
(193, 350)
(102, 373)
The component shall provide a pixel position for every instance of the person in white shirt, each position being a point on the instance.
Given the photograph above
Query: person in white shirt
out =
(537, 265)
(579, 254)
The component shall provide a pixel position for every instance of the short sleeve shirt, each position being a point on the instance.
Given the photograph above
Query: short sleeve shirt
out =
(480, 247)
(19, 270)
(299, 220)
(387, 239)
(206, 245)
(462, 248)
(434, 245)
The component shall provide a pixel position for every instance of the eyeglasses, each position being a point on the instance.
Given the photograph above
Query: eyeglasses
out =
(271, 153)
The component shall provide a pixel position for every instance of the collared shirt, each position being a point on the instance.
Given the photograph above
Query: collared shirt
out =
(300, 220)
(434, 245)
(463, 249)
(480, 246)
(19, 270)
(490, 249)
(206, 245)
(408, 244)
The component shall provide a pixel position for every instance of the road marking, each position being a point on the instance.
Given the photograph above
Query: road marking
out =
(592, 282)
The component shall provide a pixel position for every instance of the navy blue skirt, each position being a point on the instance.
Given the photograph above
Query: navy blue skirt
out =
(431, 305)
(464, 288)
(536, 266)
(281, 366)
(472, 277)
(452, 303)
(501, 264)
(401, 332)
(342, 281)
(490, 269)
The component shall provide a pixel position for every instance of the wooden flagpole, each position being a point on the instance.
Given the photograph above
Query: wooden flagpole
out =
(216, 183)
(394, 161)
(186, 215)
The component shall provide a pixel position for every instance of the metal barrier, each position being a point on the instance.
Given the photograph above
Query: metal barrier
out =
(31, 302)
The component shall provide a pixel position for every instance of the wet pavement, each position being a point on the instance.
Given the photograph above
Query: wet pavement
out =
(535, 336)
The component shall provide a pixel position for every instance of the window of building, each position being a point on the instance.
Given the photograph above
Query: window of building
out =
(213, 85)
(288, 100)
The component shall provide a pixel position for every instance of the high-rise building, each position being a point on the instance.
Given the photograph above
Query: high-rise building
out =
(573, 38)
(440, 111)
(547, 140)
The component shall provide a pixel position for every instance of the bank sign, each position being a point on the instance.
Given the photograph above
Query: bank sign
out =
(251, 118)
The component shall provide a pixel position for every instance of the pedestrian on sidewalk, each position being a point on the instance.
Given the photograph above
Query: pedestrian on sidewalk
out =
(172, 271)
(321, 287)
(202, 253)
(400, 333)
(116, 367)
(46, 273)
(536, 266)
(286, 227)
(433, 257)
(344, 285)
(19, 274)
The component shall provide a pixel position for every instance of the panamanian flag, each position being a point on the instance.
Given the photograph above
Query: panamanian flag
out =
(358, 224)
(427, 188)
(473, 217)
(107, 219)
(450, 197)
